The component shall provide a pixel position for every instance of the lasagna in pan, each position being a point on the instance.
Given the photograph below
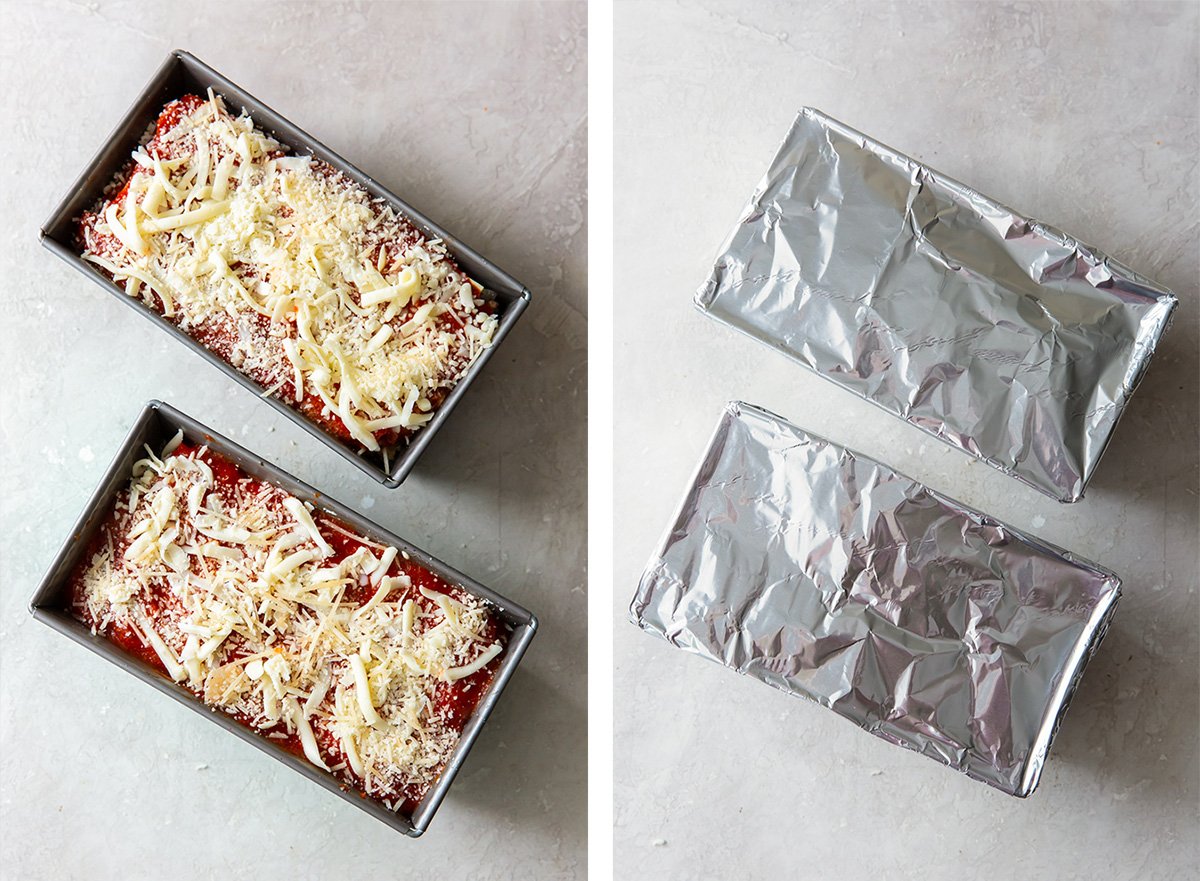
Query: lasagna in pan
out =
(345, 651)
(292, 273)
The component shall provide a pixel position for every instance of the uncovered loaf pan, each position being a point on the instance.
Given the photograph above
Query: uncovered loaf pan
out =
(183, 73)
(157, 424)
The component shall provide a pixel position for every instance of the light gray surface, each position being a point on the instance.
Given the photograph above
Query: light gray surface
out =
(475, 113)
(1083, 115)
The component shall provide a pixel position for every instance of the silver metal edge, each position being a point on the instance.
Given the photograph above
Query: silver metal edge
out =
(728, 412)
(1085, 650)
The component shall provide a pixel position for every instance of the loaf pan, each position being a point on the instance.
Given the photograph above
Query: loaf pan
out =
(183, 73)
(987, 329)
(823, 573)
(157, 424)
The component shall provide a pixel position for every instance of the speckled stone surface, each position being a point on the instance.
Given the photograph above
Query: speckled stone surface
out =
(476, 113)
(1084, 115)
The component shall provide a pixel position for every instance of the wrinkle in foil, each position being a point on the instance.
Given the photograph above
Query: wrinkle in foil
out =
(991, 331)
(826, 574)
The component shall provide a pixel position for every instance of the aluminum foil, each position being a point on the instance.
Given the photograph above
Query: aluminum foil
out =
(830, 576)
(998, 334)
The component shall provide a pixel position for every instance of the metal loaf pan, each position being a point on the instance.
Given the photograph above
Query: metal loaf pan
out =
(182, 73)
(158, 423)
(826, 574)
(989, 330)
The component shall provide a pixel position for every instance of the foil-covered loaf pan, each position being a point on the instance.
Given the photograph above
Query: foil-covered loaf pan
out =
(828, 575)
(991, 331)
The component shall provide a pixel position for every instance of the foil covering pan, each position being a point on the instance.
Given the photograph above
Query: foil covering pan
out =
(991, 331)
(830, 576)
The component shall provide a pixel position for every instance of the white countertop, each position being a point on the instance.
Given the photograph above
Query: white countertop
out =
(1084, 116)
(477, 115)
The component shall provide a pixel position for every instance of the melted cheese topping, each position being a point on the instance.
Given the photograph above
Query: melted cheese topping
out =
(236, 591)
(223, 233)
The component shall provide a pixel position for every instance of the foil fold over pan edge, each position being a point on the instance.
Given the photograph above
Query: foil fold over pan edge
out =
(991, 331)
(830, 576)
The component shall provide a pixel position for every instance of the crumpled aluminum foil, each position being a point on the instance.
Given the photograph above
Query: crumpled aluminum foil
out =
(830, 576)
(1000, 335)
